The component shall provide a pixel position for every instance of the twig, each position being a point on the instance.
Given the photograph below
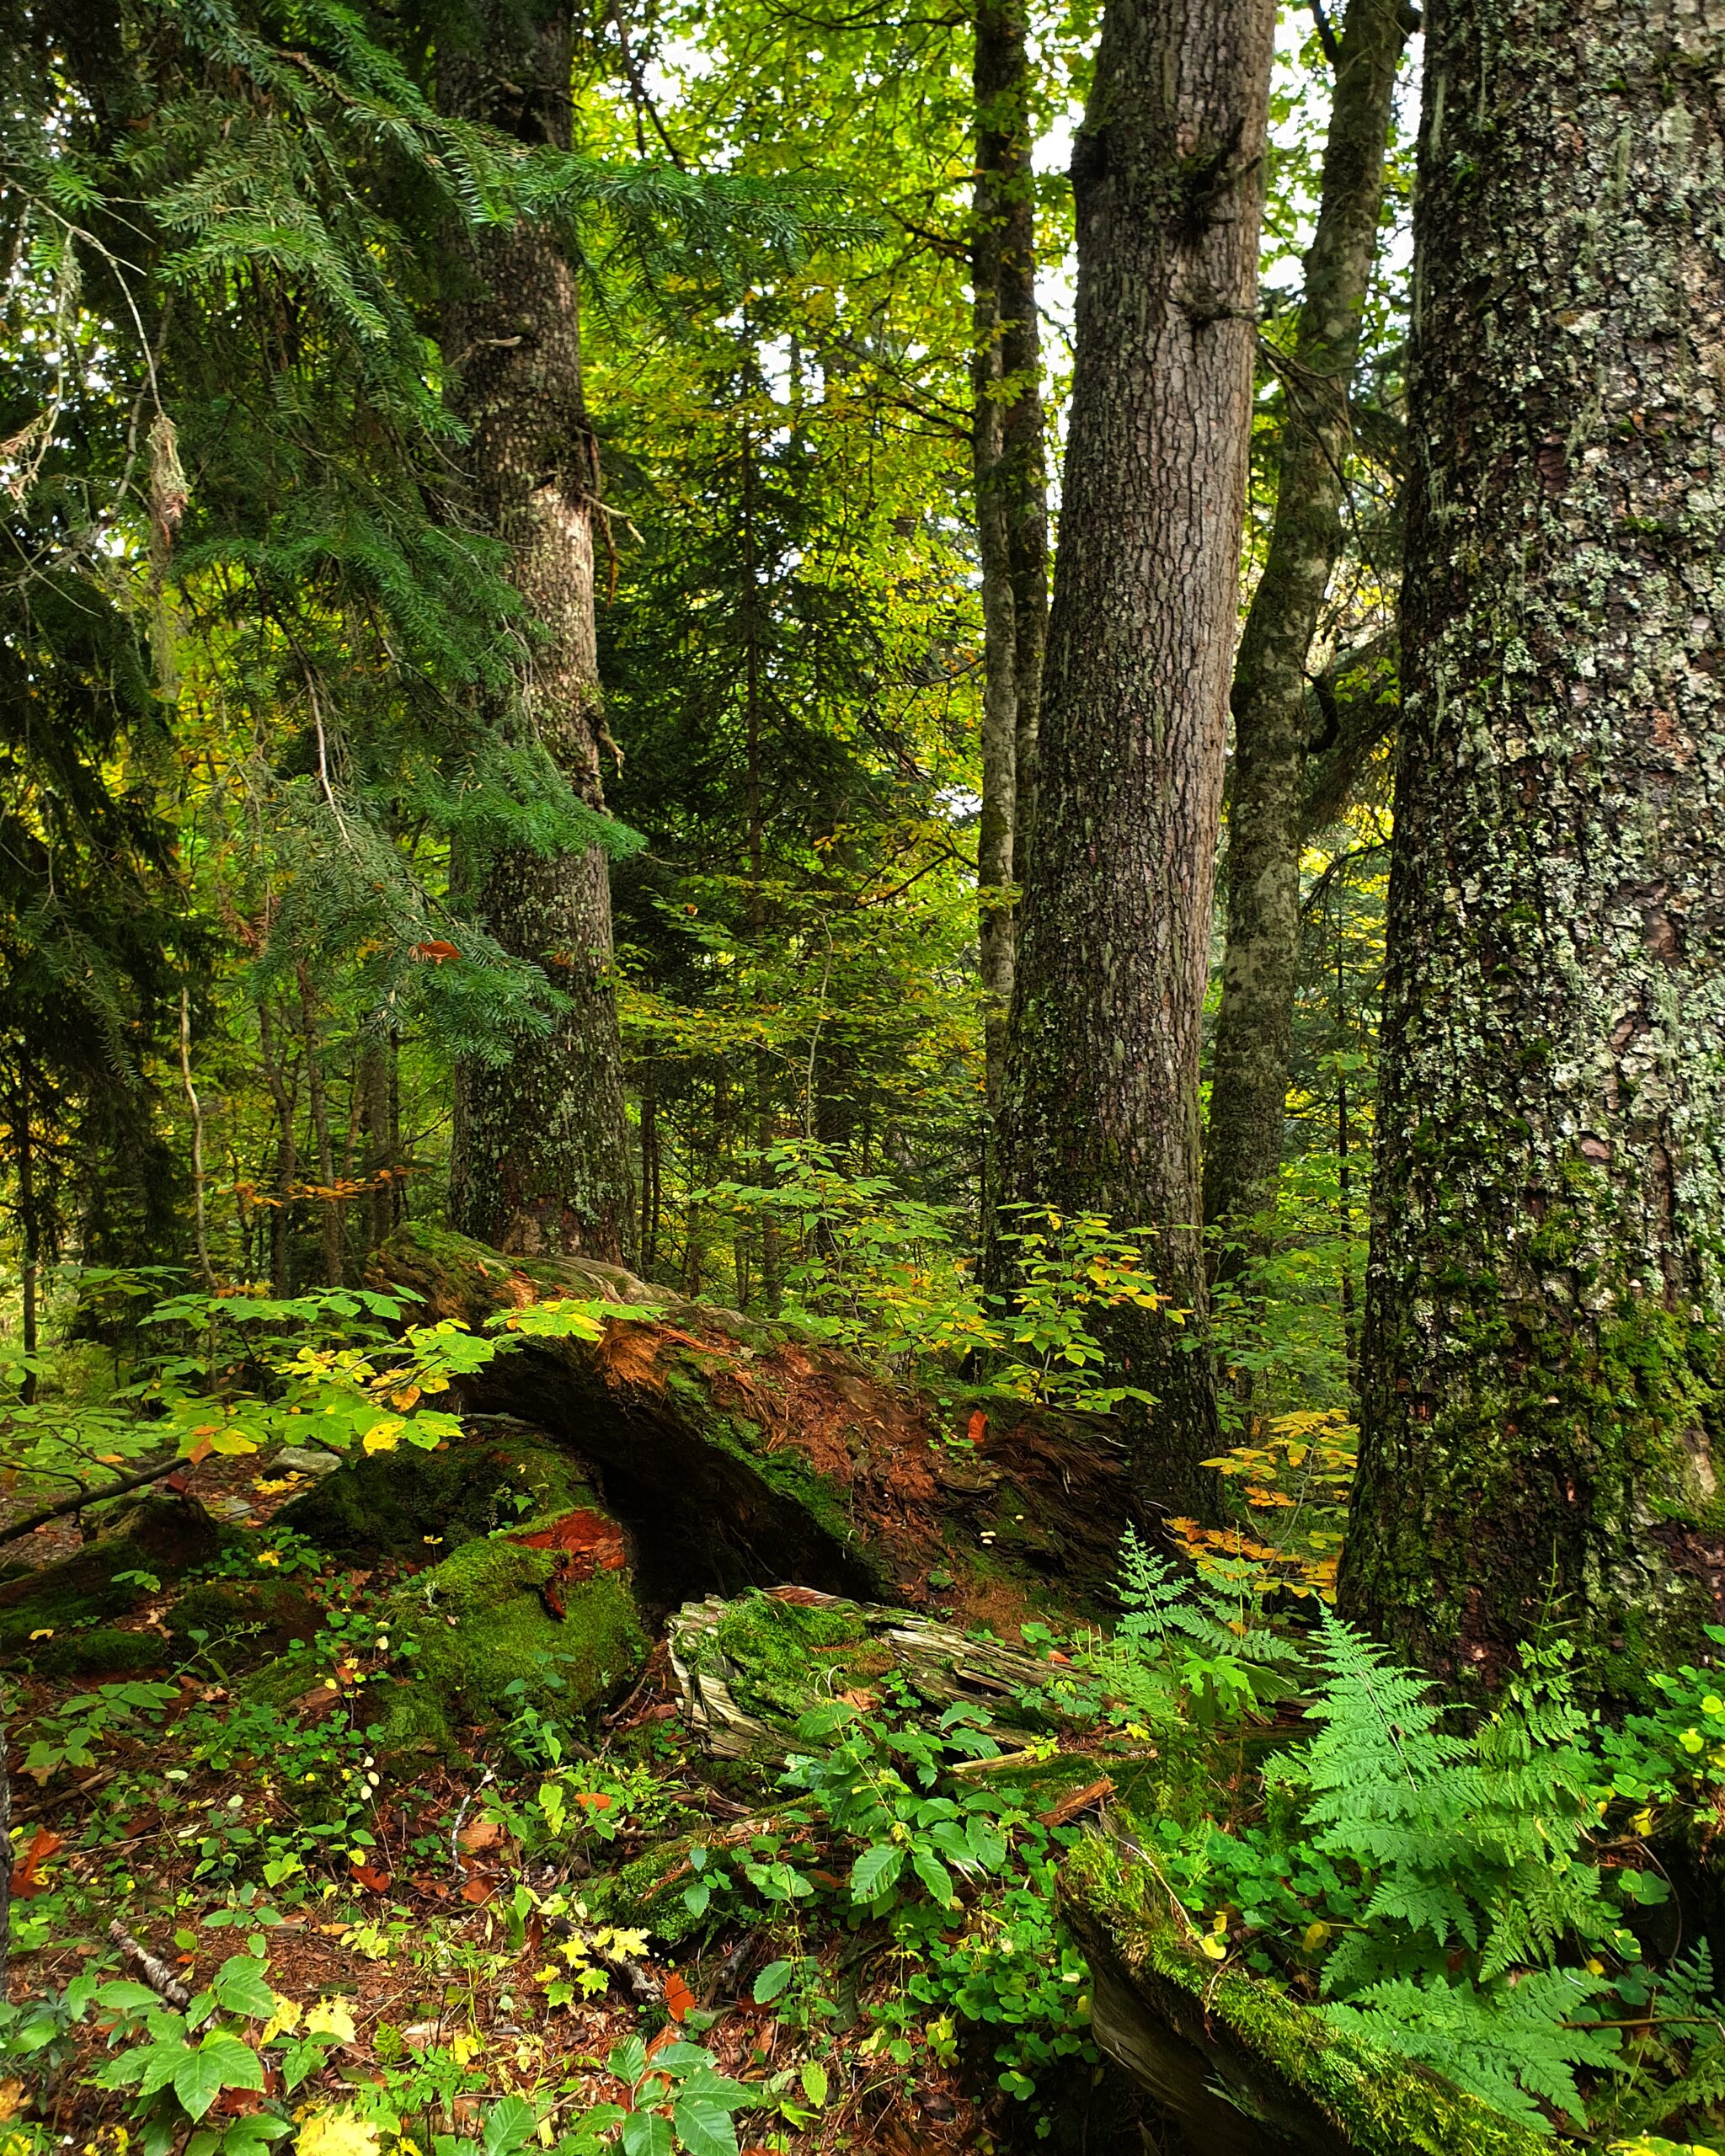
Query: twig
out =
(32, 1521)
(455, 1832)
(156, 1974)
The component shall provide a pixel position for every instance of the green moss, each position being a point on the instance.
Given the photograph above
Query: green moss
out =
(647, 1893)
(396, 1504)
(481, 1626)
(101, 1652)
(1379, 2104)
(785, 1655)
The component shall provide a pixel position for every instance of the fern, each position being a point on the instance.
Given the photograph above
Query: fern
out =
(1513, 2047)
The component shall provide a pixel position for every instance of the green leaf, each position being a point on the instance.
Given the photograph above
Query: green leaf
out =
(507, 2124)
(243, 1987)
(703, 2127)
(875, 1871)
(645, 2133)
(771, 1981)
(628, 2060)
(814, 2082)
(934, 1876)
(220, 2061)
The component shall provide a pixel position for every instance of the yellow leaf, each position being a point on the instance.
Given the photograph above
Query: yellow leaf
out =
(1215, 1949)
(330, 2017)
(338, 2132)
(385, 1436)
(464, 2046)
(283, 2021)
(45, 1632)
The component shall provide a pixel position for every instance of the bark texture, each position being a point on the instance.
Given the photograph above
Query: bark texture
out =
(1011, 491)
(541, 1160)
(1541, 1350)
(1272, 708)
(1101, 1110)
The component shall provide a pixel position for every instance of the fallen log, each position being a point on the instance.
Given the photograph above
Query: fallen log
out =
(740, 1454)
(1237, 2064)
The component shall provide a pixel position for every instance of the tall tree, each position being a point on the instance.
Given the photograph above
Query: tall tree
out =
(541, 1156)
(1102, 1107)
(1272, 705)
(1012, 492)
(1542, 1331)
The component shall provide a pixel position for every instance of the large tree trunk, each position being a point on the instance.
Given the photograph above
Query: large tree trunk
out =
(540, 1159)
(1272, 712)
(1101, 1109)
(1542, 1333)
(1012, 494)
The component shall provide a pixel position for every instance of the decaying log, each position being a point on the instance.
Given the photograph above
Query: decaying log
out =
(746, 1669)
(742, 1454)
(1240, 2068)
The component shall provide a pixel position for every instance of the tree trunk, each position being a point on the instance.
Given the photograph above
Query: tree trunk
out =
(1101, 1109)
(1011, 494)
(1272, 723)
(540, 1159)
(1541, 1342)
(329, 1205)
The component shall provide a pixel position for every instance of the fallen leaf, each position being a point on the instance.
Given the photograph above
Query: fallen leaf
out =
(373, 1881)
(437, 952)
(977, 1428)
(678, 1997)
(478, 1890)
(24, 1881)
(483, 1834)
(10, 2100)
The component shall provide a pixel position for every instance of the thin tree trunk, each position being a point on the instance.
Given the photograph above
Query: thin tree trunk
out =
(1011, 504)
(329, 1204)
(1101, 1110)
(29, 1230)
(287, 1158)
(1542, 1327)
(1272, 724)
(201, 1226)
(540, 1152)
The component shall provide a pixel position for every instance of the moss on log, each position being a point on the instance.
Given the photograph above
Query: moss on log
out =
(742, 1454)
(1240, 2067)
(747, 1669)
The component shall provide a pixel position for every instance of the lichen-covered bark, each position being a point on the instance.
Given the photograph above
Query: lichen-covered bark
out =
(1544, 1297)
(1101, 1107)
(1272, 714)
(1011, 504)
(540, 1160)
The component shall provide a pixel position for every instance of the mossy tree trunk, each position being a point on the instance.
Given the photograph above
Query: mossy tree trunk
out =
(541, 1158)
(1541, 1340)
(1011, 494)
(1272, 707)
(1100, 1108)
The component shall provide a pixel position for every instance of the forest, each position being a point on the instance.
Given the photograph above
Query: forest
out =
(862, 1077)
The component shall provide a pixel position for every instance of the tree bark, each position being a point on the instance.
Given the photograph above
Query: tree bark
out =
(541, 1158)
(1541, 1341)
(1271, 712)
(1101, 1110)
(1011, 491)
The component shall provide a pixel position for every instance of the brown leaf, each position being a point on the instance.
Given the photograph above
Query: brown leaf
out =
(482, 1834)
(437, 952)
(24, 1881)
(373, 1881)
(678, 1997)
(478, 1890)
